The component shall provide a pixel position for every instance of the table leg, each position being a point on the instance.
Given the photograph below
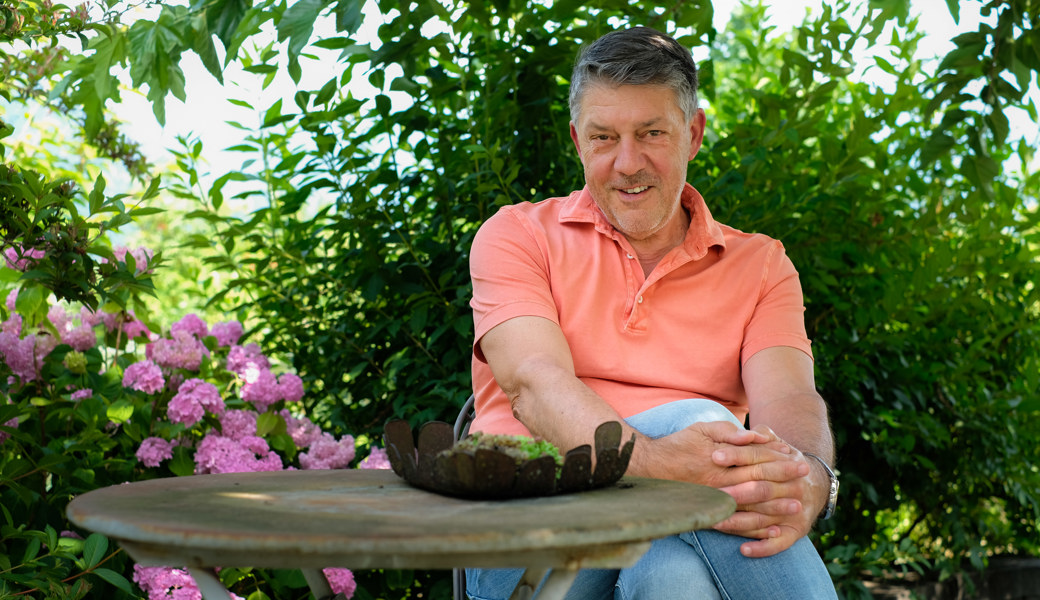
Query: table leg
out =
(318, 583)
(557, 584)
(209, 586)
(528, 583)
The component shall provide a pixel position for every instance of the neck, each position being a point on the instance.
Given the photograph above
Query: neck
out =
(650, 251)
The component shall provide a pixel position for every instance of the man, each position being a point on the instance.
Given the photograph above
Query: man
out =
(626, 301)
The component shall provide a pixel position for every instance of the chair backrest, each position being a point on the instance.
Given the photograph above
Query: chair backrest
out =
(462, 423)
(465, 418)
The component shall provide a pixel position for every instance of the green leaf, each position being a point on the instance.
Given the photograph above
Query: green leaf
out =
(32, 303)
(297, 24)
(224, 18)
(153, 188)
(349, 16)
(120, 411)
(115, 579)
(182, 464)
(268, 422)
(94, 549)
(96, 200)
(32, 550)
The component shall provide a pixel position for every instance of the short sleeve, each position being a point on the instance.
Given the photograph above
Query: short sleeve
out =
(509, 269)
(779, 315)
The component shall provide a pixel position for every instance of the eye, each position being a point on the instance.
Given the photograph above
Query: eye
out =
(654, 133)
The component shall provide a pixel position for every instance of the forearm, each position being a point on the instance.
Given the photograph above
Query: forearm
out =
(801, 421)
(555, 405)
(531, 361)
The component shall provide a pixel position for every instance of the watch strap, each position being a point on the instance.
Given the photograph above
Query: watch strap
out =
(832, 497)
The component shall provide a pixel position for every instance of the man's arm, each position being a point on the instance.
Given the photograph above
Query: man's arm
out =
(782, 402)
(531, 361)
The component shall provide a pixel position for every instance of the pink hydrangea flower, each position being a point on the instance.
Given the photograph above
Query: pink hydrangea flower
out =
(341, 581)
(227, 333)
(141, 255)
(154, 450)
(327, 453)
(192, 324)
(20, 258)
(12, 299)
(131, 327)
(290, 387)
(241, 358)
(25, 356)
(183, 351)
(376, 459)
(301, 429)
(81, 337)
(193, 399)
(13, 325)
(168, 583)
(261, 388)
(219, 454)
(237, 424)
(82, 394)
(144, 376)
(58, 317)
(88, 317)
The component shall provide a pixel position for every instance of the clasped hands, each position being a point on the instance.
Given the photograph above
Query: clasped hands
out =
(772, 482)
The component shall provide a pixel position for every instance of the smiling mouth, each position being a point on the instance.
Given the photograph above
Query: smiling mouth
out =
(636, 190)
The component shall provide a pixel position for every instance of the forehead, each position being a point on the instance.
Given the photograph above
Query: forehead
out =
(605, 105)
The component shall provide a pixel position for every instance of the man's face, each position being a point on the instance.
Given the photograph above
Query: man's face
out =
(635, 144)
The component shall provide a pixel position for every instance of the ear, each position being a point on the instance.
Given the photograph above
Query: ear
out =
(697, 125)
(577, 145)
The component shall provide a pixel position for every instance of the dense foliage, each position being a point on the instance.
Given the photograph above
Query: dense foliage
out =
(915, 238)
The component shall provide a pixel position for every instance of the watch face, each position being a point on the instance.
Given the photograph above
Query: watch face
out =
(832, 499)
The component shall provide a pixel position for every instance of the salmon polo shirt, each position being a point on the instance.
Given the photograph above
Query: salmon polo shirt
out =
(683, 332)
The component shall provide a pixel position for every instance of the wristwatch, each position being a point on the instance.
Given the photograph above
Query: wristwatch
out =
(832, 497)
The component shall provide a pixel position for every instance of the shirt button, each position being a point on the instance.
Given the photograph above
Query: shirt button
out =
(639, 299)
(629, 255)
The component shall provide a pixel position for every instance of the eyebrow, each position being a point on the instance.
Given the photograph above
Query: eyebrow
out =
(649, 123)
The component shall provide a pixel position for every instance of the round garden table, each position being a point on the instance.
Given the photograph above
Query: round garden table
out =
(372, 519)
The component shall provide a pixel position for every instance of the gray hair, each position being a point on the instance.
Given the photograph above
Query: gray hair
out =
(636, 56)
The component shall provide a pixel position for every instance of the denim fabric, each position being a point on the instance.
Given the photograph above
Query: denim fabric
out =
(695, 565)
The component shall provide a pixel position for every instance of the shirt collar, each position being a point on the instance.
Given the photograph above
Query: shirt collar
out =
(703, 234)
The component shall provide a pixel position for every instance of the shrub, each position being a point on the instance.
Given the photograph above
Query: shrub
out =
(92, 399)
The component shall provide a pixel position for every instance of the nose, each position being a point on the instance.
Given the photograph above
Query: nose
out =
(629, 158)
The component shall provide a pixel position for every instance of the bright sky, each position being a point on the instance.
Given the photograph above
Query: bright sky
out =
(207, 109)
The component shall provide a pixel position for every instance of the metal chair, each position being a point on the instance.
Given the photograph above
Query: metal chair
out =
(462, 423)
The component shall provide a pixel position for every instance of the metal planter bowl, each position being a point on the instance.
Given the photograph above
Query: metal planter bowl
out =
(428, 463)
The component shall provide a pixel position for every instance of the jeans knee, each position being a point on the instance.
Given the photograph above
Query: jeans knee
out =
(671, 570)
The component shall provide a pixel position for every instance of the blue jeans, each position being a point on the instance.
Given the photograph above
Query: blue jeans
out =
(695, 565)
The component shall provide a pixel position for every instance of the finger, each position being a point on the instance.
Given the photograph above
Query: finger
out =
(738, 456)
(751, 534)
(777, 507)
(724, 432)
(777, 472)
(767, 432)
(750, 524)
(761, 548)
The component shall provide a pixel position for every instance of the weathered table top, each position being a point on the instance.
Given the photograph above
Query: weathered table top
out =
(372, 519)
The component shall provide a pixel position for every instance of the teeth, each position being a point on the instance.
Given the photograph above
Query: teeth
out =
(636, 190)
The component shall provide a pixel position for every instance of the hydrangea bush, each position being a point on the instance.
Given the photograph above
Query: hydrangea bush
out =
(89, 399)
